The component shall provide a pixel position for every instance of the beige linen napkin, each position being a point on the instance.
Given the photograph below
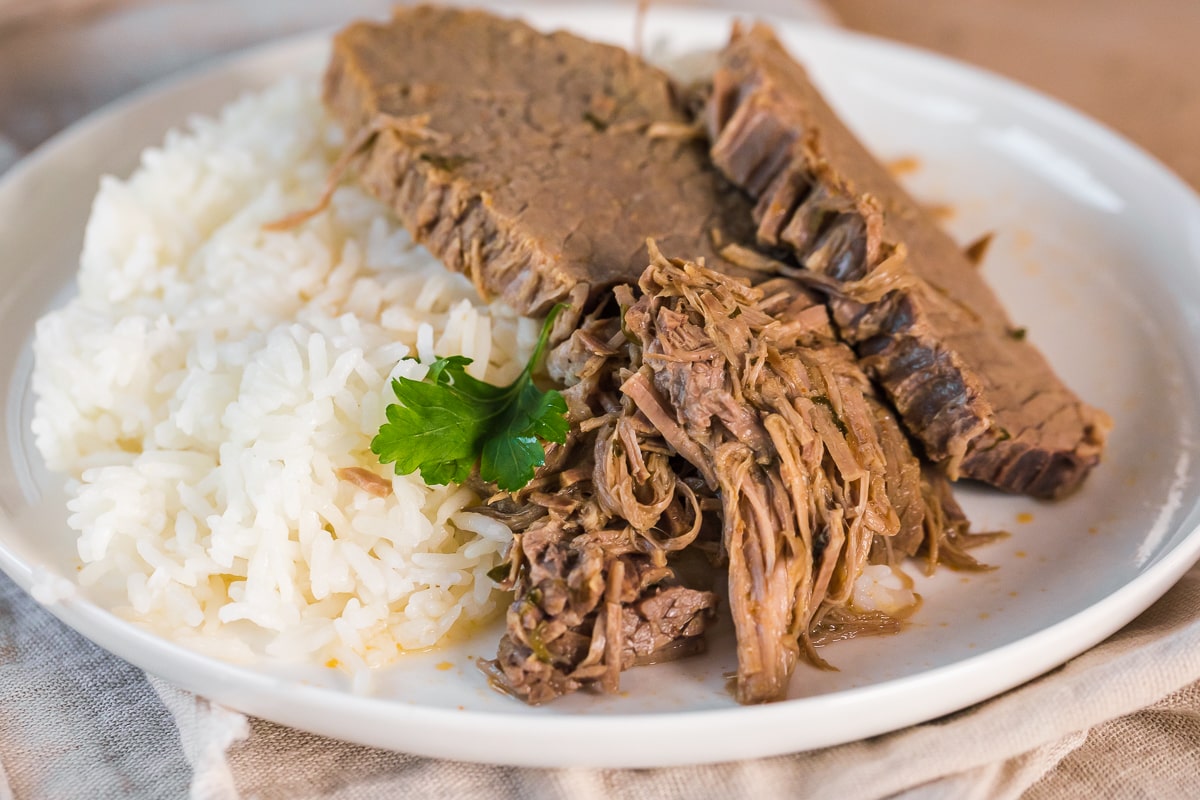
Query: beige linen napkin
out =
(1123, 717)
(998, 749)
(1120, 720)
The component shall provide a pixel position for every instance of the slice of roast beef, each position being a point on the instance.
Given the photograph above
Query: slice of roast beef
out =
(537, 164)
(983, 402)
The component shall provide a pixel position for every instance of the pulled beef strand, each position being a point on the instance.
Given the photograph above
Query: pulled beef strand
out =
(594, 593)
(710, 404)
(781, 415)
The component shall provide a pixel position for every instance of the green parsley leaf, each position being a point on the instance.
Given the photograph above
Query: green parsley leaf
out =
(446, 423)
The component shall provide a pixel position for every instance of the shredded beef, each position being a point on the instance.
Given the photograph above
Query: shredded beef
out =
(595, 592)
(709, 405)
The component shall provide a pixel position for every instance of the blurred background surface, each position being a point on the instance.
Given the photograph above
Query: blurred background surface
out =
(1131, 65)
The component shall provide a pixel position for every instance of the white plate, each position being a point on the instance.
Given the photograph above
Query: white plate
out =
(1096, 253)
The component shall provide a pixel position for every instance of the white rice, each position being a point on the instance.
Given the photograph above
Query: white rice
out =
(210, 378)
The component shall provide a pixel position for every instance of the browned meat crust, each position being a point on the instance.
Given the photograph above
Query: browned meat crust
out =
(983, 402)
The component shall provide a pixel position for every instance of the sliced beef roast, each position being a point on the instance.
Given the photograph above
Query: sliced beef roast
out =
(983, 402)
(538, 164)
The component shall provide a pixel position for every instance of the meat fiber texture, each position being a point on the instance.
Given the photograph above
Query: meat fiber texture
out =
(534, 163)
(706, 393)
(983, 402)
(774, 412)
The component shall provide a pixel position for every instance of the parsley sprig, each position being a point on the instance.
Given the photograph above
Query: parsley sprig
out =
(448, 422)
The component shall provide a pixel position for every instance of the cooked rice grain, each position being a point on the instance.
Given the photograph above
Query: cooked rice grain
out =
(210, 380)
